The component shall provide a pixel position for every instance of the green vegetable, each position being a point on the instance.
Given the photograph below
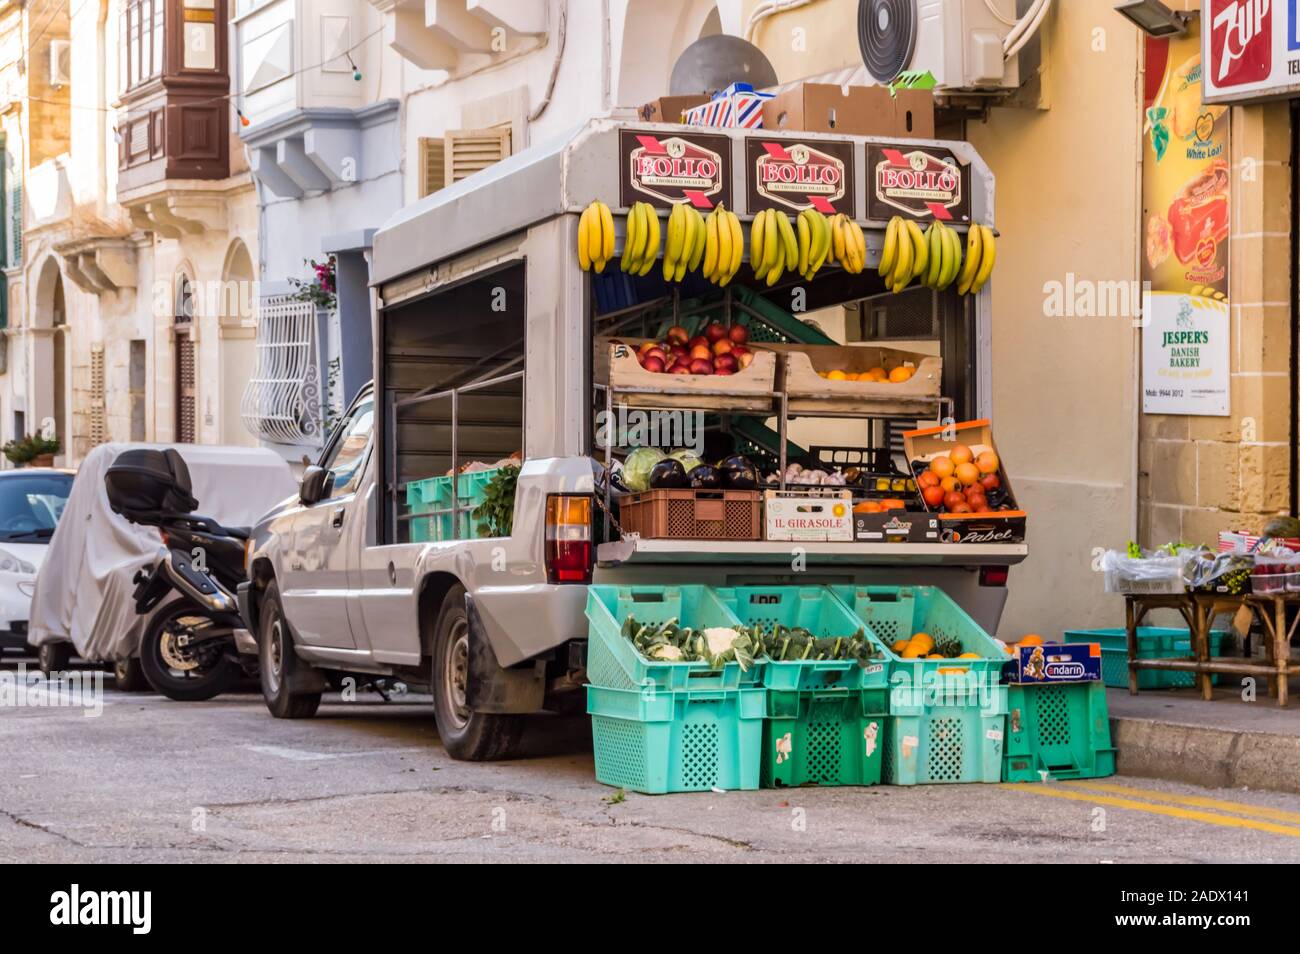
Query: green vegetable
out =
(687, 458)
(792, 644)
(717, 646)
(496, 514)
(637, 467)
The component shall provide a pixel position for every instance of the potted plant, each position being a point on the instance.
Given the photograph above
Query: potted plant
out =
(32, 450)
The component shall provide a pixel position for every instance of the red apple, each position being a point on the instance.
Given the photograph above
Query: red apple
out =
(723, 371)
(715, 332)
(701, 366)
(962, 507)
(990, 482)
(679, 334)
(722, 346)
(653, 364)
(739, 349)
(738, 334)
(645, 346)
(952, 498)
(697, 341)
(680, 369)
(725, 362)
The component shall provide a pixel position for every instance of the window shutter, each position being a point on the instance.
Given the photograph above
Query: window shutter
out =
(469, 150)
(433, 159)
(98, 417)
(16, 224)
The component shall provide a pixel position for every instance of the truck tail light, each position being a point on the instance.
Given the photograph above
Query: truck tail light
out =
(568, 539)
(994, 575)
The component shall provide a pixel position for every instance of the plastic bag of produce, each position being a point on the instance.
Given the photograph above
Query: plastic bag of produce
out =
(1153, 572)
(1205, 571)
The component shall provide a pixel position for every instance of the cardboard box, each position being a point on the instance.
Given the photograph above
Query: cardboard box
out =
(823, 518)
(739, 106)
(895, 526)
(852, 111)
(999, 526)
(670, 109)
(1055, 662)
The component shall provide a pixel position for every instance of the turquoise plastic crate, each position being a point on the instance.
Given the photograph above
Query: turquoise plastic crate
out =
(1061, 729)
(426, 498)
(614, 663)
(893, 613)
(691, 741)
(817, 610)
(827, 737)
(1153, 642)
(961, 739)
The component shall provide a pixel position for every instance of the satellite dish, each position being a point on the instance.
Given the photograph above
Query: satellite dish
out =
(715, 62)
(886, 36)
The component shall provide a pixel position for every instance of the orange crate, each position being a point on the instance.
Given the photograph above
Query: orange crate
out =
(690, 514)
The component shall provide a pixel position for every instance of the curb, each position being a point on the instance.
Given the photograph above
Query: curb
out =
(1212, 758)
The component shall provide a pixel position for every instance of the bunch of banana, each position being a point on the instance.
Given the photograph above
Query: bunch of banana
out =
(595, 236)
(944, 246)
(906, 255)
(773, 247)
(641, 246)
(724, 245)
(684, 247)
(848, 244)
(814, 241)
(981, 253)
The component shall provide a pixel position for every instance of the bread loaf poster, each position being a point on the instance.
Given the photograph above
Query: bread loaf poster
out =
(1185, 214)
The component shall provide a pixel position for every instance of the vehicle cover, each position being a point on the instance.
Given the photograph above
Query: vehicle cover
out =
(84, 587)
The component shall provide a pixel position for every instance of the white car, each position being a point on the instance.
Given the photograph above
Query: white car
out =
(31, 501)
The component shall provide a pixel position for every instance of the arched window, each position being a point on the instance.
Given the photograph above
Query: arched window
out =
(186, 391)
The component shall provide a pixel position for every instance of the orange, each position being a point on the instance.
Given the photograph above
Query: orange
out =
(1033, 639)
(867, 506)
(942, 466)
(961, 454)
(879, 371)
(836, 375)
(967, 473)
(901, 374)
(893, 503)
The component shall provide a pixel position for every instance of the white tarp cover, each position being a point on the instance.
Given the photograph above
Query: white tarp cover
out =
(83, 589)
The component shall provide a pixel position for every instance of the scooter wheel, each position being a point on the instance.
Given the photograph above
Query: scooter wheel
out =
(174, 670)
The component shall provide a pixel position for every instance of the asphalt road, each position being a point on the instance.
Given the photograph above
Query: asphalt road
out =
(150, 780)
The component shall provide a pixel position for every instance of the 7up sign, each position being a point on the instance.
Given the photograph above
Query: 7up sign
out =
(1250, 48)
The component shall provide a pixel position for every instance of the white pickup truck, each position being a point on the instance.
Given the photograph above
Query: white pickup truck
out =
(484, 327)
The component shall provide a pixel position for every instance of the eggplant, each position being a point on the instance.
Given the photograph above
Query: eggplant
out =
(667, 474)
(738, 473)
(705, 477)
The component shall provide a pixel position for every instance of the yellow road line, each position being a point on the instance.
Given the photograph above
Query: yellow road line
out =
(1225, 821)
(1195, 801)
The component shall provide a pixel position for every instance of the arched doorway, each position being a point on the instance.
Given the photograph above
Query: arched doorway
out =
(183, 351)
(49, 384)
(238, 344)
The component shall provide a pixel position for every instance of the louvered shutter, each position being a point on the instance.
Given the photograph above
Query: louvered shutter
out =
(433, 160)
(16, 224)
(469, 150)
(98, 415)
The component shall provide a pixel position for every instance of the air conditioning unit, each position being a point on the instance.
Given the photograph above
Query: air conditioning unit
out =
(60, 62)
(963, 43)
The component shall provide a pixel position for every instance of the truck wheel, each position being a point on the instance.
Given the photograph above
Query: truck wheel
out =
(466, 735)
(53, 657)
(128, 675)
(277, 662)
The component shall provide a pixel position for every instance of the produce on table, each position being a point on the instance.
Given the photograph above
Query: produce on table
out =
(721, 350)
(962, 481)
(898, 375)
(637, 467)
(595, 236)
(715, 645)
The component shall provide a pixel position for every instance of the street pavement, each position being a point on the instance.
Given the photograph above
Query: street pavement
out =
(150, 780)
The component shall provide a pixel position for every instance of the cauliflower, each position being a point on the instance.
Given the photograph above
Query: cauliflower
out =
(719, 638)
(665, 652)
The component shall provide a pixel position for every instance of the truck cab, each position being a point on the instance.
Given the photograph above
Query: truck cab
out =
(488, 351)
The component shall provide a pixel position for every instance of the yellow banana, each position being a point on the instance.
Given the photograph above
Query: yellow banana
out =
(737, 245)
(697, 224)
(688, 247)
(988, 258)
(676, 236)
(934, 247)
(629, 240)
(594, 243)
(756, 239)
(642, 235)
(773, 240)
(775, 272)
(788, 240)
(805, 241)
(823, 245)
(889, 254)
(974, 242)
(951, 258)
(606, 235)
(651, 242)
(724, 243)
(920, 252)
(710, 246)
(903, 267)
(584, 239)
(837, 237)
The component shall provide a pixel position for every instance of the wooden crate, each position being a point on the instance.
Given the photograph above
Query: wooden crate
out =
(810, 393)
(691, 514)
(749, 390)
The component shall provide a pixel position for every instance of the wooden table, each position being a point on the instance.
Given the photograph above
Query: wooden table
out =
(1199, 611)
